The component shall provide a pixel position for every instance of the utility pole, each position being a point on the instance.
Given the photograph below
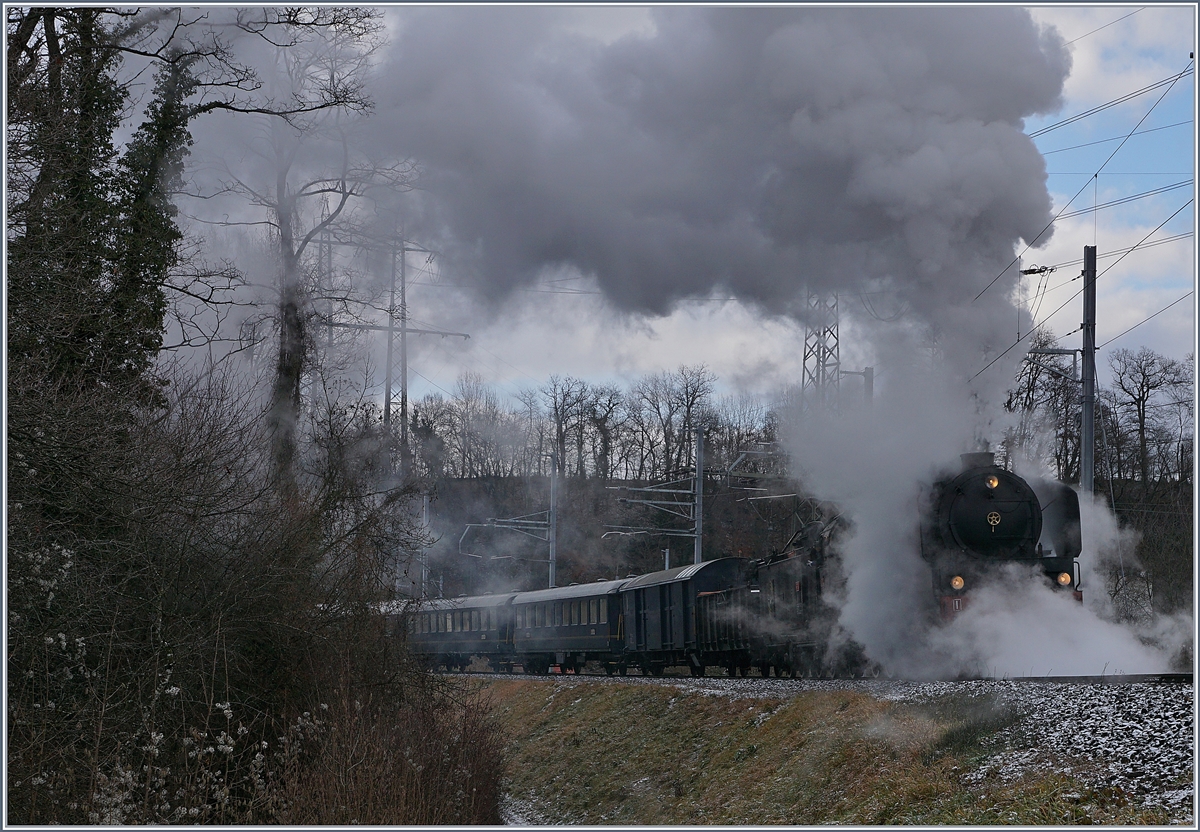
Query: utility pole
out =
(1088, 427)
(552, 533)
(425, 552)
(698, 550)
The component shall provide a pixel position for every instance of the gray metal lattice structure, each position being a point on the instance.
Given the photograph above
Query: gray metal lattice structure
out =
(822, 354)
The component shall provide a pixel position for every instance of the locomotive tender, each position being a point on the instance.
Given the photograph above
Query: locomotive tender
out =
(737, 613)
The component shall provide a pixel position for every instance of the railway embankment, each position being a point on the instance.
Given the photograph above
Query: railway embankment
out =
(593, 750)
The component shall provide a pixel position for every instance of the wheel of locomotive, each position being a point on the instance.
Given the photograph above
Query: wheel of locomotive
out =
(656, 670)
(764, 669)
(696, 671)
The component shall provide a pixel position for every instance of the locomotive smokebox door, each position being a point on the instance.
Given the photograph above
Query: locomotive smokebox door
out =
(990, 513)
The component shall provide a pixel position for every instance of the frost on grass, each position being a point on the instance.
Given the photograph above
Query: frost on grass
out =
(1138, 737)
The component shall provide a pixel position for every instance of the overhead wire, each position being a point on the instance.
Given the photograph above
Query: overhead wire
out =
(1097, 173)
(1104, 255)
(1149, 317)
(1078, 293)
(1101, 107)
(1131, 198)
(1114, 138)
(1105, 26)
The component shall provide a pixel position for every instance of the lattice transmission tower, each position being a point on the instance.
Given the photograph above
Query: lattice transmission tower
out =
(822, 361)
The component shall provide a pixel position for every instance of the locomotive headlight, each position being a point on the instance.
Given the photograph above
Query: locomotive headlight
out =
(1064, 578)
(957, 582)
(991, 481)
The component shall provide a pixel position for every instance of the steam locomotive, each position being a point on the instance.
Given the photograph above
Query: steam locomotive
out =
(771, 614)
(984, 517)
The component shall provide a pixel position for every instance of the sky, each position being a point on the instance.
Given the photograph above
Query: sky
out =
(563, 320)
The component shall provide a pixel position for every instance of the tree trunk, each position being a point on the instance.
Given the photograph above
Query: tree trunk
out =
(285, 394)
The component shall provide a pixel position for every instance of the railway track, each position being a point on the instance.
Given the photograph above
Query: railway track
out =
(1107, 679)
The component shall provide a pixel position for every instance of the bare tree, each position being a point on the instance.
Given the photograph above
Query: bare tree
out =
(1140, 378)
(566, 400)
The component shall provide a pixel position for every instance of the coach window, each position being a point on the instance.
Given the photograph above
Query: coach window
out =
(603, 610)
(490, 625)
(449, 622)
(594, 611)
(556, 611)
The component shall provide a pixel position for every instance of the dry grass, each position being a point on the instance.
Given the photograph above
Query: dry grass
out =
(416, 765)
(626, 754)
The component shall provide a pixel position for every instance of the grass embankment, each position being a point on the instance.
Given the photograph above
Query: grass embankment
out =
(645, 754)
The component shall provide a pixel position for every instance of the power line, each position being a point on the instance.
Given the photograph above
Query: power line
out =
(1176, 238)
(1164, 189)
(1120, 173)
(1115, 138)
(1030, 244)
(1105, 26)
(1139, 323)
(1101, 107)
(1077, 193)
(1077, 294)
(434, 383)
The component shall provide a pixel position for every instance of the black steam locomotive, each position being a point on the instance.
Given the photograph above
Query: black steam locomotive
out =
(985, 517)
(771, 614)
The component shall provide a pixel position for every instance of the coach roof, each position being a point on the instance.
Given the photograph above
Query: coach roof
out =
(683, 573)
(578, 591)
